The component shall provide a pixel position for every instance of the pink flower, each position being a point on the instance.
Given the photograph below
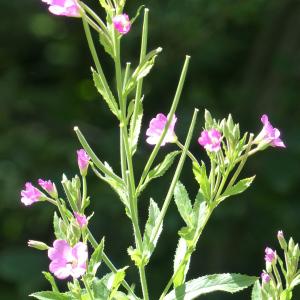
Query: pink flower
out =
(49, 187)
(270, 255)
(83, 161)
(122, 23)
(269, 134)
(66, 260)
(265, 277)
(81, 219)
(156, 128)
(68, 8)
(30, 195)
(210, 140)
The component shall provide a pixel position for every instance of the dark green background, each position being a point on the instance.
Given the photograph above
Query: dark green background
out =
(245, 60)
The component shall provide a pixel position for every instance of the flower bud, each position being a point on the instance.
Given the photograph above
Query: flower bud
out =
(291, 245)
(296, 251)
(122, 23)
(270, 255)
(265, 277)
(49, 187)
(81, 219)
(281, 239)
(37, 245)
(83, 161)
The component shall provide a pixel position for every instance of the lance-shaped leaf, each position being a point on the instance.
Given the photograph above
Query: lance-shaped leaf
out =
(181, 262)
(230, 283)
(106, 93)
(135, 126)
(96, 258)
(160, 169)
(51, 280)
(148, 242)
(60, 229)
(256, 291)
(238, 188)
(48, 295)
(184, 204)
(118, 187)
(201, 177)
(106, 43)
(142, 70)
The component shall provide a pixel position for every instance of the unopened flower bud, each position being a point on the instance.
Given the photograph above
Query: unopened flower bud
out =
(265, 277)
(83, 161)
(270, 255)
(37, 245)
(296, 251)
(81, 219)
(49, 187)
(281, 239)
(122, 23)
(291, 245)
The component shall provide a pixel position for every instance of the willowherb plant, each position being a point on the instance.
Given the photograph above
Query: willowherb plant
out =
(75, 254)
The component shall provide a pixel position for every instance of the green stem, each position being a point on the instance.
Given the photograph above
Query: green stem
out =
(175, 177)
(88, 288)
(94, 54)
(187, 255)
(189, 153)
(139, 86)
(170, 118)
(84, 192)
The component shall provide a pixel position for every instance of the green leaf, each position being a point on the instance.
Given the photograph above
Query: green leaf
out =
(96, 258)
(48, 295)
(184, 204)
(60, 229)
(132, 20)
(160, 169)
(200, 210)
(231, 283)
(142, 70)
(51, 280)
(136, 256)
(149, 242)
(106, 43)
(106, 94)
(256, 291)
(238, 188)
(100, 289)
(201, 177)
(115, 281)
(135, 128)
(115, 185)
(181, 264)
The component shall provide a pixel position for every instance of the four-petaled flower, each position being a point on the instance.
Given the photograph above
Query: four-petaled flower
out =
(210, 140)
(265, 277)
(83, 161)
(69, 8)
(30, 194)
(269, 134)
(66, 260)
(156, 128)
(49, 187)
(81, 219)
(270, 255)
(122, 23)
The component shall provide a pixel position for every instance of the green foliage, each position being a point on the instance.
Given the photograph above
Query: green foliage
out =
(51, 296)
(230, 283)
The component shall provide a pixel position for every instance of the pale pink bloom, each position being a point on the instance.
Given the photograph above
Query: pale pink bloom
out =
(270, 255)
(156, 128)
(265, 277)
(69, 8)
(30, 194)
(210, 140)
(48, 186)
(66, 260)
(83, 161)
(269, 134)
(122, 23)
(81, 219)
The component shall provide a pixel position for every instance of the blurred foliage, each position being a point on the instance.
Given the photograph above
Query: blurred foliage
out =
(245, 60)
